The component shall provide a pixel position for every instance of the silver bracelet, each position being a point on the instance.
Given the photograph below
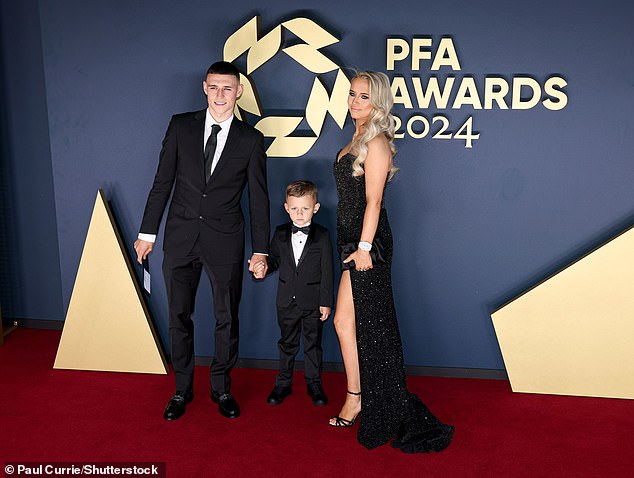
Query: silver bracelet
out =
(365, 246)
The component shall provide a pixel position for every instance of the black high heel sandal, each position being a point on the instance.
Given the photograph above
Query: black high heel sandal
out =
(340, 422)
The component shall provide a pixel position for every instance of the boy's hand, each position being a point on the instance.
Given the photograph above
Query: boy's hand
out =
(325, 312)
(258, 266)
(259, 270)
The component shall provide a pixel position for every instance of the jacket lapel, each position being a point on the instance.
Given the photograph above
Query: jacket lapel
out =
(198, 135)
(288, 236)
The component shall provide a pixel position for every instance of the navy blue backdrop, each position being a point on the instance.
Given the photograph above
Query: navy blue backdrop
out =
(473, 226)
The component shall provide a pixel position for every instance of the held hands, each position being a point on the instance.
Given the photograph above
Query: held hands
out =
(259, 271)
(362, 260)
(143, 249)
(258, 266)
(325, 312)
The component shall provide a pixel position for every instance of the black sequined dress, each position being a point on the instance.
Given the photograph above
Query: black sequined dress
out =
(388, 409)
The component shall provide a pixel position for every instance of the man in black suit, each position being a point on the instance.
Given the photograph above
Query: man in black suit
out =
(302, 252)
(207, 159)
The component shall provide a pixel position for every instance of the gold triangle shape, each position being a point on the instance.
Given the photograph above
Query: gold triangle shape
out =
(108, 326)
(572, 334)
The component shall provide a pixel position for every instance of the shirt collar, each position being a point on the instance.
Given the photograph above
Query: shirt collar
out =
(210, 121)
(305, 225)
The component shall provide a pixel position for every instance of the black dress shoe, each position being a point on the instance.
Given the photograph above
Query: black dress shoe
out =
(227, 405)
(279, 393)
(317, 394)
(176, 406)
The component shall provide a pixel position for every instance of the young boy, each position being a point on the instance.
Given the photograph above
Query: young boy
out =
(302, 252)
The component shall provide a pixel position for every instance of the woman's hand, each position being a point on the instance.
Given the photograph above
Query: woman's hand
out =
(362, 260)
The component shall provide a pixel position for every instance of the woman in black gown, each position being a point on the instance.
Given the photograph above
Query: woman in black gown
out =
(365, 317)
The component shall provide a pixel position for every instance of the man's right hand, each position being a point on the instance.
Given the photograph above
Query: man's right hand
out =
(143, 249)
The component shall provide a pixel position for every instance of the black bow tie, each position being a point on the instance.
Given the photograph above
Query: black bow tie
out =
(304, 229)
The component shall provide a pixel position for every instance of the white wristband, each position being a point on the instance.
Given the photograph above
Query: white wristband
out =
(365, 246)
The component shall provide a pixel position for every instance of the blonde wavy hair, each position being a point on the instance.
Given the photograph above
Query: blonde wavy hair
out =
(380, 120)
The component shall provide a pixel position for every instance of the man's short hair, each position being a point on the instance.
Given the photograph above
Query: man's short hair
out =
(300, 188)
(223, 68)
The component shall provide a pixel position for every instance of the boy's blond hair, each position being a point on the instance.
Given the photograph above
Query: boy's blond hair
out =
(300, 188)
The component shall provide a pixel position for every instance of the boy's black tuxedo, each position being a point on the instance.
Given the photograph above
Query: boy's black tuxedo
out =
(302, 289)
(310, 281)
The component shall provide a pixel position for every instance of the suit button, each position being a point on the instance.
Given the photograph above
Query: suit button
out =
(204, 195)
(200, 217)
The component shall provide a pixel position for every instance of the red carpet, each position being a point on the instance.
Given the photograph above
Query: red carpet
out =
(59, 416)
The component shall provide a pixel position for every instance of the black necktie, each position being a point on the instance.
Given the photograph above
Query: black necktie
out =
(210, 149)
(304, 229)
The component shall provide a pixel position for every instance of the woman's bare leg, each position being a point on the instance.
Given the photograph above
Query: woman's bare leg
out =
(346, 331)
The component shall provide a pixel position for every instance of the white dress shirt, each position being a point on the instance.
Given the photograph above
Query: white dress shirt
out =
(298, 240)
(221, 138)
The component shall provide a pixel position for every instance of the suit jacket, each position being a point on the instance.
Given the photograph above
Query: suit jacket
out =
(210, 213)
(311, 281)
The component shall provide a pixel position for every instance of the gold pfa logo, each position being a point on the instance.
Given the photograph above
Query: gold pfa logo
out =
(260, 50)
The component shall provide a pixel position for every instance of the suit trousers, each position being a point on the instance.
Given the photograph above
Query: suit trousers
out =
(182, 276)
(294, 322)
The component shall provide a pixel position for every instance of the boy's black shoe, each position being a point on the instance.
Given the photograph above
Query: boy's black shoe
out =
(317, 394)
(279, 393)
